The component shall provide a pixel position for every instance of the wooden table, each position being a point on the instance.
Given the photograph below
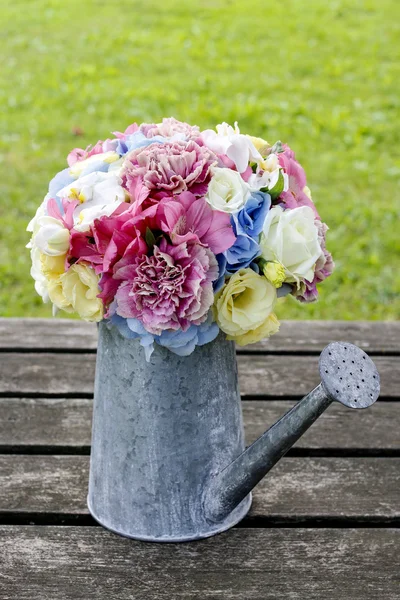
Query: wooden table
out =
(324, 524)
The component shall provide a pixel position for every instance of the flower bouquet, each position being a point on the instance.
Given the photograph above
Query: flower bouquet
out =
(173, 234)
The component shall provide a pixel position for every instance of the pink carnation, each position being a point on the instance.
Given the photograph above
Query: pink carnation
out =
(324, 268)
(295, 196)
(170, 127)
(173, 167)
(171, 289)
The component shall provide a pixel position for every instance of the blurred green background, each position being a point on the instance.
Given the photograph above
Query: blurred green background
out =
(322, 76)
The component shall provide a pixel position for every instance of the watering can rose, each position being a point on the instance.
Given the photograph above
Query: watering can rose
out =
(173, 234)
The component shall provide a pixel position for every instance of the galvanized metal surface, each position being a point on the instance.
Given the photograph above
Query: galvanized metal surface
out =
(160, 430)
(168, 460)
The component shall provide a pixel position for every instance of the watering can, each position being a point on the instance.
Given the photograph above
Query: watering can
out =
(168, 460)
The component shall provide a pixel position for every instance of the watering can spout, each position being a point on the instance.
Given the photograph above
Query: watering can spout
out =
(348, 376)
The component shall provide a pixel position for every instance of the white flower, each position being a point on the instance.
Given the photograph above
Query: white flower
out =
(38, 275)
(228, 140)
(291, 238)
(51, 237)
(87, 216)
(267, 174)
(99, 191)
(80, 166)
(227, 191)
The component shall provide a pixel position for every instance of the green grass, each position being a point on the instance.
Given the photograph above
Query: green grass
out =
(323, 76)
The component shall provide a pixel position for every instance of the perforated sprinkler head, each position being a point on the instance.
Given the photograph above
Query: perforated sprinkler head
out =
(348, 375)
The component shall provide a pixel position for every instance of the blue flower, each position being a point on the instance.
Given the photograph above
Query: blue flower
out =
(59, 181)
(250, 220)
(137, 140)
(242, 253)
(221, 260)
(179, 342)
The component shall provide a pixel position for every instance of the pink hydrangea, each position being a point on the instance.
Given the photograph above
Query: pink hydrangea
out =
(295, 195)
(171, 289)
(173, 167)
(170, 127)
(324, 267)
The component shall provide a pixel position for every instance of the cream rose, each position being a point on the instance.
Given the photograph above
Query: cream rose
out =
(227, 191)
(290, 237)
(76, 290)
(244, 307)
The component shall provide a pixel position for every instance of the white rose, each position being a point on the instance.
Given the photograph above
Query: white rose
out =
(291, 238)
(226, 140)
(81, 165)
(51, 237)
(227, 191)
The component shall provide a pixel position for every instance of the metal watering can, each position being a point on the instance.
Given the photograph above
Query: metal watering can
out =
(168, 460)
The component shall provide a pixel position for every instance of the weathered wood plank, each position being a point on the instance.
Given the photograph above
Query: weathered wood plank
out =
(73, 374)
(53, 423)
(296, 489)
(89, 563)
(294, 336)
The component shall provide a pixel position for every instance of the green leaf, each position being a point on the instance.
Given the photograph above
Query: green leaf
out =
(150, 239)
(277, 147)
(277, 190)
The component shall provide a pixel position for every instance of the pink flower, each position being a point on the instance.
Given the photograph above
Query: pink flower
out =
(170, 127)
(324, 268)
(295, 196)
(189, 219)
(173, 167)
(122, 235)
(171, 289)
(78, 154)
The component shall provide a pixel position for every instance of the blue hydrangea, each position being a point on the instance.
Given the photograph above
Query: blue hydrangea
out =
(179, 342)
(250, 220)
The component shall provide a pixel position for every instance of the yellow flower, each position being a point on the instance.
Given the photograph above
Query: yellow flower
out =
(80, 287)
(275, 273)
(259, 144)
(268, 328)
(243, 307)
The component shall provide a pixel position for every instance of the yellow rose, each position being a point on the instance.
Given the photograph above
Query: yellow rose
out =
(80, 287)
(243, 307)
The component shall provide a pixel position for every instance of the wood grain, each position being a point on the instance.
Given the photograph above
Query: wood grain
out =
(294, 336)
(364, 489)
(51, 424)
(270, 376)
(87, 563)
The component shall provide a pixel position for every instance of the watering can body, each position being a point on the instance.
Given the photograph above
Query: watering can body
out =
(162, 430)
(168, 460)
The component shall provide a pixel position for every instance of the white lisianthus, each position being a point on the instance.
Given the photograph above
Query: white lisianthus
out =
(82, 165)
(227, 191)
(94, 191)
(51, 237)
(33, 226)
(267, 174)
(228, 140)
(290, 237)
